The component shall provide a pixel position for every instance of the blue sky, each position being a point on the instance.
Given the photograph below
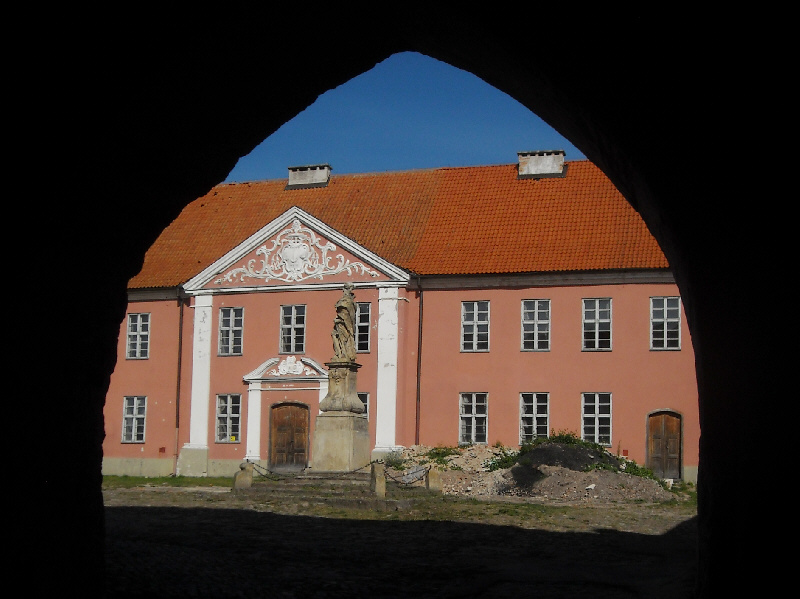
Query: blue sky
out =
(408, 112)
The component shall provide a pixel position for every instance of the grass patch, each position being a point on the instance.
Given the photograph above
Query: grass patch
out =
(127, 482)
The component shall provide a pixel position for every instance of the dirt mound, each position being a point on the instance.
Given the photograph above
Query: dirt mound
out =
(548, 472)
(573, 457)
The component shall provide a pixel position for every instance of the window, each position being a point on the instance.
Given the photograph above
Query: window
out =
(596, 413)
(293, 329)
(475, 326)
(364, 397)
(231, 328)
(665, 323)
(536, 325)
(533, 416)
(362, 326)
(474, 413)
(597, 324)
(138, 336)
(229, 416)
(133, 417)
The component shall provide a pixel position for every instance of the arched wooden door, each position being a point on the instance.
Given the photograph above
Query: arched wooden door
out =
(664, 444)
(288, 435)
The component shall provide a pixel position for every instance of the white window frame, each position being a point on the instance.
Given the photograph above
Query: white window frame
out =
(535, 325)
(231, 335)
(534, 416)
(475, 329)
(363, 327)
(229, 418)
(596, 418)
(364, 397)
(596, 318)
(134, 418)
(293, 329)
(473, 411)
(138, 336)
(665, 323)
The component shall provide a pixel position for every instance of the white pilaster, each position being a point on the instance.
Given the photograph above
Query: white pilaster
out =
(253, 451)
(388, 340)
(201, 373)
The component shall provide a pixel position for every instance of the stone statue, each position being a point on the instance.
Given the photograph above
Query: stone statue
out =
(343, 334)
(342, 369)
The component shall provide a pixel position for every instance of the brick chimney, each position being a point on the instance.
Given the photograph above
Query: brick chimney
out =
(314, 175)
(542, 164)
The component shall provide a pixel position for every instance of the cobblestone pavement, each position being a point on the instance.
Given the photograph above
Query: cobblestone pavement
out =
(222, 552)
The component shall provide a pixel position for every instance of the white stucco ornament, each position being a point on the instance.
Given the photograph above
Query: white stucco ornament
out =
(296, 254)
(291, 365)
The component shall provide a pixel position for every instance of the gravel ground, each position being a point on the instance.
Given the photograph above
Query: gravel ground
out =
(553, 537)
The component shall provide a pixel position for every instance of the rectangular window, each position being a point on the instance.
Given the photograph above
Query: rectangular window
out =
(474, 326)
(229, 417)
(134, 409)
(665, 323)
(596, 413)
(362, 326)
(231, 330)
(364, 397)
(533, 416)
(597, 324)
(536, 325)
(474, 414)
(293, 329)
(138, 336)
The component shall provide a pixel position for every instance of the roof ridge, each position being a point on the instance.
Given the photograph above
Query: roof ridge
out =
(334, 174)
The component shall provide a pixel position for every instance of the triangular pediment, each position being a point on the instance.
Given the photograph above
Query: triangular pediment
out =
(295, 250)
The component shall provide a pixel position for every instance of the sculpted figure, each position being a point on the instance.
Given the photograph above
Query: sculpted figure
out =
(343, 334)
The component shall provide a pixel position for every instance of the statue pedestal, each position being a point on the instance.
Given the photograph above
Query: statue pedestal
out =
(342, 385)
(341, 442)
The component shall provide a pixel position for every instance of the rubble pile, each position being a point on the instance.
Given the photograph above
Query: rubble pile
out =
(552, 473)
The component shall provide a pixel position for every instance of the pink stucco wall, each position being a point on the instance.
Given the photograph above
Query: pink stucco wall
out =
(156, 378)
(640, 380)
(261, 341)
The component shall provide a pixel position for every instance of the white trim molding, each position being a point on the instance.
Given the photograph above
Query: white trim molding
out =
(388, 343)
(201, 373)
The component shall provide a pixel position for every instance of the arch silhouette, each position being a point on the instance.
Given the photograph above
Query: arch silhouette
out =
(160, 120)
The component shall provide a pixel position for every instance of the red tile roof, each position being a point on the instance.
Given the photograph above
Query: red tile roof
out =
(445, 221)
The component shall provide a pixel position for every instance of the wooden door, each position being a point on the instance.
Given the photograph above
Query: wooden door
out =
(664, 444)
(288, 437)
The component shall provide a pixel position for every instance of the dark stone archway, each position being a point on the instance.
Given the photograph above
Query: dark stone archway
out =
(145, 122)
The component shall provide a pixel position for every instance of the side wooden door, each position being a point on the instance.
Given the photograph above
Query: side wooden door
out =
(664, 444)
(289, 437)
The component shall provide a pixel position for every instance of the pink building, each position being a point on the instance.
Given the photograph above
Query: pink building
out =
(495, 304)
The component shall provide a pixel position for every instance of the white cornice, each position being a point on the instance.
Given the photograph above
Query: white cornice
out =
(442, 282)
(564, 279)
(154, 294)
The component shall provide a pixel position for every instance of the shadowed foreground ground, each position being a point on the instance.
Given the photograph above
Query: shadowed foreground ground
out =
(221, 553)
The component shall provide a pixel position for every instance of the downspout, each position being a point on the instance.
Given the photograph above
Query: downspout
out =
(181, 303)
(419, 362)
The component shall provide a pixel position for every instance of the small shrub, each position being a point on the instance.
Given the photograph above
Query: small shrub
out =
(634, 469)
(394, 459)
(439, 454)
(506, 459)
